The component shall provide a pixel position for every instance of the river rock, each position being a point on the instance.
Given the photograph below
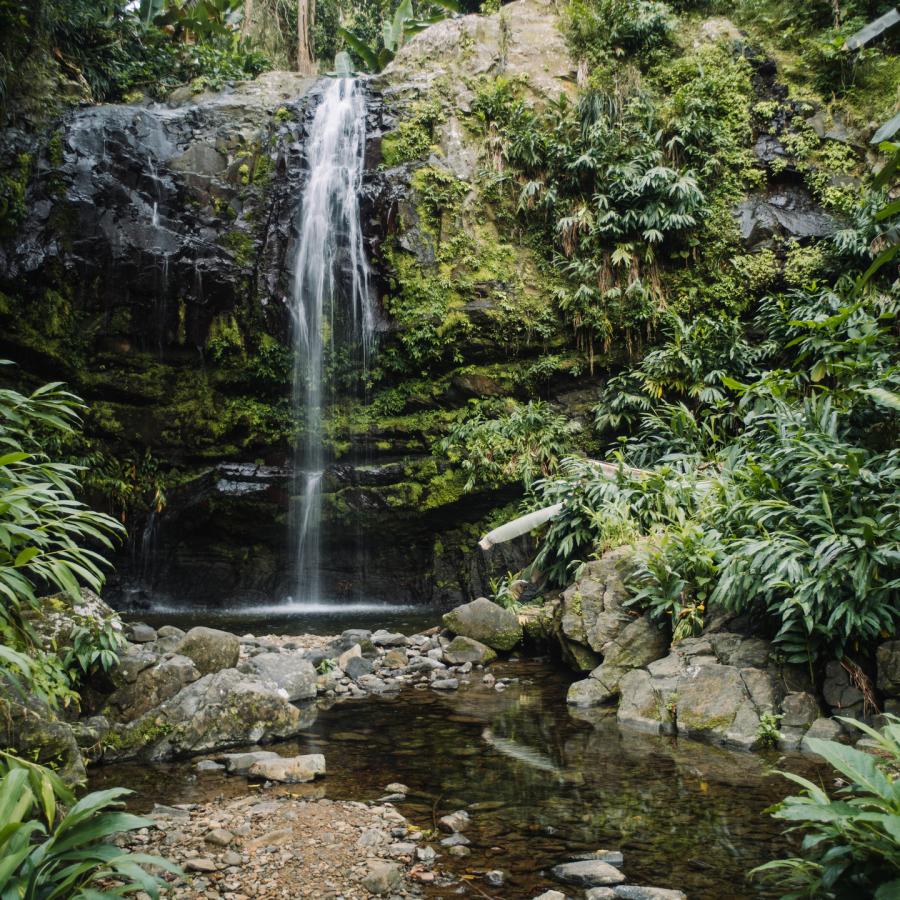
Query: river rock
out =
(588, 873)
(289, 770)
(139, 633)
(220, 710)
(456, 821)
(210, 649)
(288, 671)
(395, 659)
(485, 622)
(888, 657)
(382, 638)
(357, 667)
(240, 763)
(550, 895)
(353, 652)
(466, 650)
(799, 709)
(381, 876)
(636, 892)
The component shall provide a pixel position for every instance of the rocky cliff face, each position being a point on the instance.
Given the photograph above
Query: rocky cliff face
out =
(148, 265)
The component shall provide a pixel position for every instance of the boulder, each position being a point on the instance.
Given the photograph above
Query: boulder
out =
(825, 730)
(524, 40)
(693, 692)
(787, 212)
(592, 610)
(888, 657)
(29, 727)
(54, 618)
(799, 709)
(210, 649)
(151, 687)
(289, 672)
(485, 622)
(220, 710)
(467, 650)
(289, 770)
(139, 633)
(639, 643)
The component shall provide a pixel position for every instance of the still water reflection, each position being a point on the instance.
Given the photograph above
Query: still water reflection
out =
(539, 783)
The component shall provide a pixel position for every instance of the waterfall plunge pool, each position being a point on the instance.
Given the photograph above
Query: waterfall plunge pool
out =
(539, 782)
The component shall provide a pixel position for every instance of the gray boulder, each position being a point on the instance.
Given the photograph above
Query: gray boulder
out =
(693, 692)
(289, 672)
(823, 729)
(220, 710)
(151, 687)
(463, 649)
(485, 622)
(210, 649)
(639, 643)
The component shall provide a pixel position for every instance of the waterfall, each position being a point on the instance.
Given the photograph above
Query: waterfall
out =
(331, 303)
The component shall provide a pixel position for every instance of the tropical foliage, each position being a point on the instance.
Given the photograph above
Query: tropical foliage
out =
(54, 846)
(502, 446)
(46, 532)
(396, 30)
(850, 844)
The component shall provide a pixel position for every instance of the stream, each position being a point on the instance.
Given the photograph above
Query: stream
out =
(541, 782)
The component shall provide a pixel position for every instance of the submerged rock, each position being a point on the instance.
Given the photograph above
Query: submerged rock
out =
(588, 873)
(485, 622)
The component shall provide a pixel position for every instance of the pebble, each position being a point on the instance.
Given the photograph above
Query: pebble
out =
(219, 837)
(200, 864)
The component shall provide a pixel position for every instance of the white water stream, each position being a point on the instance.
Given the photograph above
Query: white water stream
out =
(331, 302)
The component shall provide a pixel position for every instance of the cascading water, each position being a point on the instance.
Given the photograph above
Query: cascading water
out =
(331, 302)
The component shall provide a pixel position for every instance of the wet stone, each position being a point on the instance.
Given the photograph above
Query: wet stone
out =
(588, 873)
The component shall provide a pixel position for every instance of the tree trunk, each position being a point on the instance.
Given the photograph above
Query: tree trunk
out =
(247, 21)
(306, 20)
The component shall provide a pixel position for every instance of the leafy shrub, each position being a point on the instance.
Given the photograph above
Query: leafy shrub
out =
(43, 527)
(47, 851)
(520, 443)
(596, 190)
(597, 28)
(851, 845)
